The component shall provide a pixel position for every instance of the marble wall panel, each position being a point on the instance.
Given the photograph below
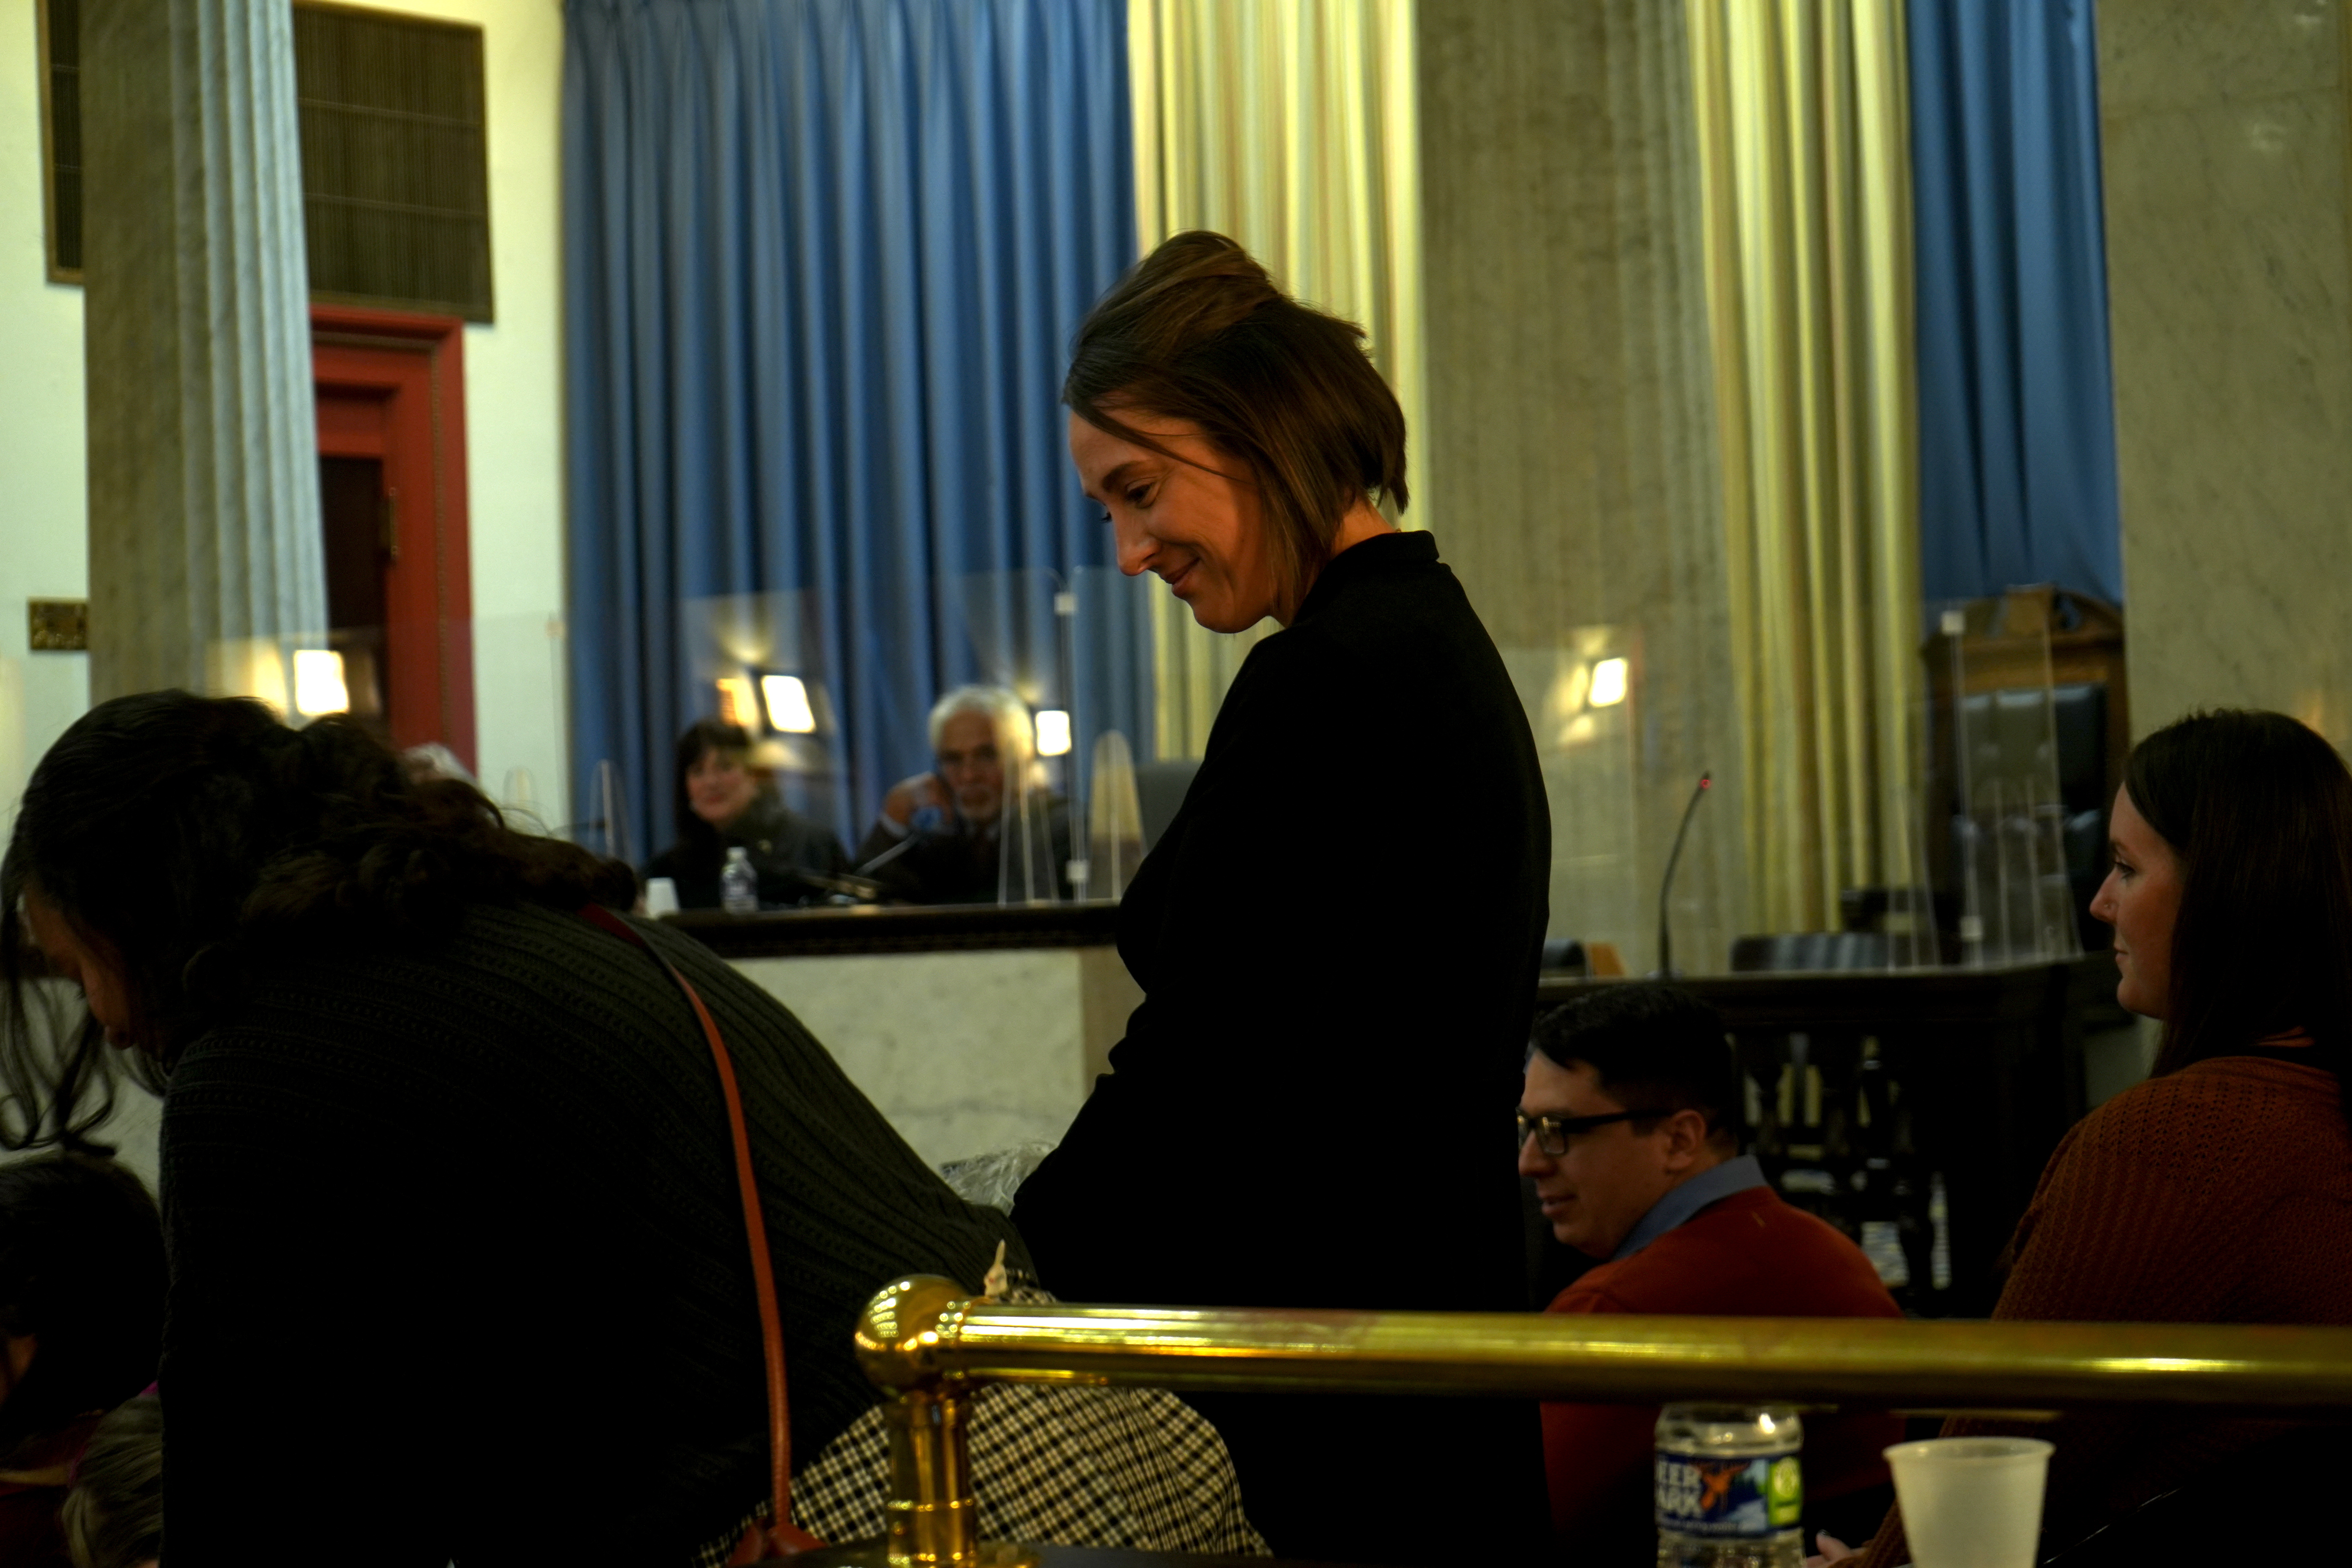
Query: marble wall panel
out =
(964, 1052)
(2239, 49)
(2225, 135)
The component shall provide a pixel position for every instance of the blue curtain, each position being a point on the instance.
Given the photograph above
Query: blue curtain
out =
(2017, 447)
(822, 262)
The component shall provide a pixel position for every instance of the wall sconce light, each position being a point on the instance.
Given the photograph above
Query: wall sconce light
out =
(735, 705)
(788, 704)
(319, 686)
(1608, 683)
(1052, 733)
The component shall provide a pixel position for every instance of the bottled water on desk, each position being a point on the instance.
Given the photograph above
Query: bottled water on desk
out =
(738, 884)
(1730, 1490)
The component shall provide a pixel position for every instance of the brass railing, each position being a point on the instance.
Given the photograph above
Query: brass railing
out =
(926, 1340)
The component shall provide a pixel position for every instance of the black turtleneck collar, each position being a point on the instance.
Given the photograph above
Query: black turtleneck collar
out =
(1381, 553)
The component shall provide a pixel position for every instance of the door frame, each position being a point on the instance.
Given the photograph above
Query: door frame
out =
(414, 367)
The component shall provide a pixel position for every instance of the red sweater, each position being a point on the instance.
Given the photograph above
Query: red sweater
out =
(2220, 1194)
(1748, 1255)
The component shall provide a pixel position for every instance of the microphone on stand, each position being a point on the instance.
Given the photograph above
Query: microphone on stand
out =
(1665, 886)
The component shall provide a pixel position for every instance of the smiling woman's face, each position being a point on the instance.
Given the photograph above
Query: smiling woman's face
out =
(720, 787)
(1193, 519)
(98, 973)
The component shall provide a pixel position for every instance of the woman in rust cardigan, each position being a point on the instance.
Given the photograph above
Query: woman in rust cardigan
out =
(2219, 1191)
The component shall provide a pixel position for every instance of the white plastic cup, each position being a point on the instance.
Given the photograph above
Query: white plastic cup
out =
(1971, 1502)
(661, 897)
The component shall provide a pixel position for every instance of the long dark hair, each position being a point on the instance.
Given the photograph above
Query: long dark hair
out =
(2258, 809)
(180, 833)
(1198, 331)
(82, 1272)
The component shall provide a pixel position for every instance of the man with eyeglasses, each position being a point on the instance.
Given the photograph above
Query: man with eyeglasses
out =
(1628, 1128)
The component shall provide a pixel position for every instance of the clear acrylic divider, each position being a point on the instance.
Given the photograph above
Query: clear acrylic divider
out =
(764, 661)
(2010, 829)
(1074, 649)
(1580, 701)
(608, 829)
(1114, 819)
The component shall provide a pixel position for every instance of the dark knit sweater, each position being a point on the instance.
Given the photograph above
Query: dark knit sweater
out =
(2220, 1194)
(457, 1268)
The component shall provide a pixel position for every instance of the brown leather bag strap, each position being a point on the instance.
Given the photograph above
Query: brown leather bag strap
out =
(763, 1275)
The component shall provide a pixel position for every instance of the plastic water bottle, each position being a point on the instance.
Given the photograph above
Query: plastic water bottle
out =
(738, 884)
(1730, 1490)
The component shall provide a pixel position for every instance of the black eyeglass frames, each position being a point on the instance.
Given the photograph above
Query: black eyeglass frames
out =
(1552, 1132)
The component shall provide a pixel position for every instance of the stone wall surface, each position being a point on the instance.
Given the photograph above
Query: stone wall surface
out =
(1569, 447)
(2230, 278)
(966, 1053)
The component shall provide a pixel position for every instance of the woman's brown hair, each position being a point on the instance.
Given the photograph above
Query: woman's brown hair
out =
(1198, 331)
(2259, 811)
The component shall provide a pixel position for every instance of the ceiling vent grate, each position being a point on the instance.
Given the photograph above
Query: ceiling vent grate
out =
(396, 165)
(62, 135)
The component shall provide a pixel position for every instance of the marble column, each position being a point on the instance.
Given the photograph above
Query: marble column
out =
(2224, 131)
(205, 561)
(1569, 438)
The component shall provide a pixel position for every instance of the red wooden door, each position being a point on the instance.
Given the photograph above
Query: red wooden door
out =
(392, 389)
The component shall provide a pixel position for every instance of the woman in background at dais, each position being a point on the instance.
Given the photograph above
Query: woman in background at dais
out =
(1336, 936)
(724, 800)
(2220, 1189)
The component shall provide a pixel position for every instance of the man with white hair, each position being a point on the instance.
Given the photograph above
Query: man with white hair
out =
(940, 837)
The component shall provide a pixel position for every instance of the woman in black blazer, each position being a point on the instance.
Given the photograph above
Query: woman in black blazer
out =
(1312, 1107)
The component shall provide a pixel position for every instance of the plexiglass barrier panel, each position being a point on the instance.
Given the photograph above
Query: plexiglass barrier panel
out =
(2009, 832)
(483, 700)
(764, 661)
(1580, 700)
(1114, 819)
(1072, 652)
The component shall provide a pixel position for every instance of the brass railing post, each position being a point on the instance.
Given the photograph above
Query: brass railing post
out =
(934, 1518)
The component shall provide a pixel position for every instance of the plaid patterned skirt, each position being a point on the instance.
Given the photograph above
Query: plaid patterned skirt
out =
(1132, 1468)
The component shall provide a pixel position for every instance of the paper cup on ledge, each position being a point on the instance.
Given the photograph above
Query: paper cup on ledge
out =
(661, 897)
(1971, 1502)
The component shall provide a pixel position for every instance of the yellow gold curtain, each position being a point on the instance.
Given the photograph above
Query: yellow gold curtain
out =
(1804, 167)
(1289, 125)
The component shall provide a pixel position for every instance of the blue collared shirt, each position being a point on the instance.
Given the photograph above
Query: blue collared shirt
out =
(1711, 1185)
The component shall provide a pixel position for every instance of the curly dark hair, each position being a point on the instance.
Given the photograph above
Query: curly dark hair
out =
(179, 833)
